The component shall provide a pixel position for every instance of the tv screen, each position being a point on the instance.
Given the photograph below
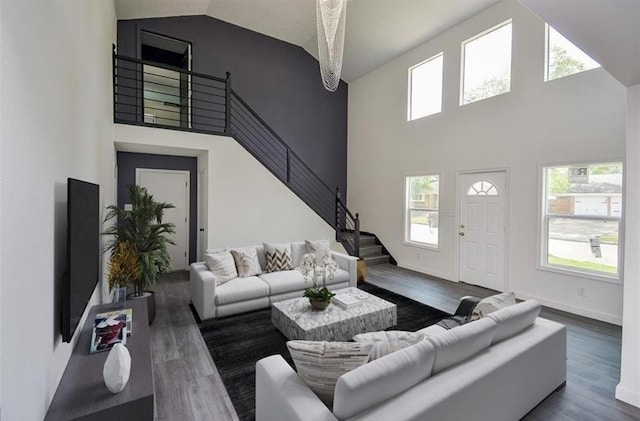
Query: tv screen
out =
(83, 252)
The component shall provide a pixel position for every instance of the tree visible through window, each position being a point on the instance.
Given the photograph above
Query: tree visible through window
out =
(581, 219)
(487, 64)
(422, 209)
(564, 58)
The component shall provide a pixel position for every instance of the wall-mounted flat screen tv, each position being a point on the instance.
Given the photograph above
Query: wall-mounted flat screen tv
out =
(83, 252)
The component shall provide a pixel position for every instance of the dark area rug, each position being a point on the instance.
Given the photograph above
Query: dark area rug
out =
(236, 343)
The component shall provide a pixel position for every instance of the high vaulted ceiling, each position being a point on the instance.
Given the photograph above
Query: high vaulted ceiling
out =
(377, 31)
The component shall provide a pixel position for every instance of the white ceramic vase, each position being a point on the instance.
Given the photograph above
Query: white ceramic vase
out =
(117, 368)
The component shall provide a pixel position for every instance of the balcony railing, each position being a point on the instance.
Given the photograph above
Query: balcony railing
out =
(149, 94)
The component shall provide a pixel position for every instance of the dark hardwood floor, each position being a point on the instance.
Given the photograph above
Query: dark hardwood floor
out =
(188, 386)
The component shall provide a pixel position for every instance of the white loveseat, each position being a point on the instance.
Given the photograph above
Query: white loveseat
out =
(497, 368)
(240, 295)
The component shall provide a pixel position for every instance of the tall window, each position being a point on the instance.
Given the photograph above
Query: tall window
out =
(425, 88)
(486, 68)
(564, 58)
(422, 204)
(582, 208)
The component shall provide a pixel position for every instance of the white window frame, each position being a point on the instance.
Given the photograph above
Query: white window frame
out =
(410, 86)
(543, 228)
(547, 39)
(463, 64)
(407, 212)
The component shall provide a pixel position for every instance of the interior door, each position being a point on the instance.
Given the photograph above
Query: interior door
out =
(171, 187)
(482, 229)
(202, 214)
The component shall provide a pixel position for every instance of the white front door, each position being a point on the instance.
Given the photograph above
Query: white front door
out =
(171, 187)
(482, 228)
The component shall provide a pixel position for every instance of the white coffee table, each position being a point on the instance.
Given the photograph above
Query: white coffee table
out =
(297, 320)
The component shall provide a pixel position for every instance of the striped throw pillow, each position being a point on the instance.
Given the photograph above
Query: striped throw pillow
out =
(320, 364)
(222, 265)
(278, 257)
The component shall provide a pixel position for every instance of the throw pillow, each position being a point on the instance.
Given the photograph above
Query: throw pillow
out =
(320, 249)
(278, 257)
(493, 303)
(320, 364)
(247, 262)
(387, 342)
(222, 265)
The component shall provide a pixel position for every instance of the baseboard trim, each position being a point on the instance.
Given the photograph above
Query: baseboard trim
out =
(631, 397)
(580, 311)
(437, 274)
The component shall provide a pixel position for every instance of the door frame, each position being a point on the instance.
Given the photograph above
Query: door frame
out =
(187, 204)
(507, 213)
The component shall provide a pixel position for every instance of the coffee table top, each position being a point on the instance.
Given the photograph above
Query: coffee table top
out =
(299, 311)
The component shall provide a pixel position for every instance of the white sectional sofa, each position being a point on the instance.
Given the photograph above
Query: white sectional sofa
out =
(251, 293)
(497, 368)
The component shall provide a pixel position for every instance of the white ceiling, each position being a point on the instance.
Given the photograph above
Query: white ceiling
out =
(609, 31)
(377, 31)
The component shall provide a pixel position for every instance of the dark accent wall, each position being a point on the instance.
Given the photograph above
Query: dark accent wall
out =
(127, 164)
(280, 81)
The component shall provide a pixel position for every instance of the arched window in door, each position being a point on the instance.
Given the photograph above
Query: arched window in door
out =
(482, 188)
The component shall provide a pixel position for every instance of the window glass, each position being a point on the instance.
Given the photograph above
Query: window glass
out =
(425, 88)
(582, 213)
(482, 188)
(487, 64)
(422, 209)
(564, 58)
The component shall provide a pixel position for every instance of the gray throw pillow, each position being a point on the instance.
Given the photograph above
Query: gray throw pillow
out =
(493, 303)
(247, 262)
(319, 248)
(387, 342)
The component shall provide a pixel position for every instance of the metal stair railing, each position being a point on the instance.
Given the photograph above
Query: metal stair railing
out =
(150, 94)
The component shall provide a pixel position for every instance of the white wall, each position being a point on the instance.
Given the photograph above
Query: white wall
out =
(628, 389)
(56, 112)
(246, 204)
(573, 119)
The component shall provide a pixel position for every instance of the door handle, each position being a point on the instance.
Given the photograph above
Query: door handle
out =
(201, 229)
(461, 234)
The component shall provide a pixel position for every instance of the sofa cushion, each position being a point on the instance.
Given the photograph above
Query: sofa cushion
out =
(492, 303)
(382, 379)
(247, 262)
(284, 281)
(241, 289)
(386, 342)
(320, 364)
(319, 248)
(514, 319)
(278, 257)
(461, 343)
(222, 265)
(341, 275)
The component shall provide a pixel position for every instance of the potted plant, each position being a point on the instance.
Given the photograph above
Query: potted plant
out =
(319, 297)
(143, 227)
(123, 269)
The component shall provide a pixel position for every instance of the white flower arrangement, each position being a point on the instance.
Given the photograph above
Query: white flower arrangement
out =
(314, 271)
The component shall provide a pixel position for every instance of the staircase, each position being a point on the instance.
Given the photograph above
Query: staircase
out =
(154, 95)
(371, 251)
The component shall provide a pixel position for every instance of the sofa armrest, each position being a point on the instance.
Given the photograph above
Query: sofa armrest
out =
(348, 263)
(203, 290)
(281, 395)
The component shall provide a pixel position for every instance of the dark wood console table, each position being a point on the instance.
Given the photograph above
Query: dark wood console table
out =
(82, 394)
